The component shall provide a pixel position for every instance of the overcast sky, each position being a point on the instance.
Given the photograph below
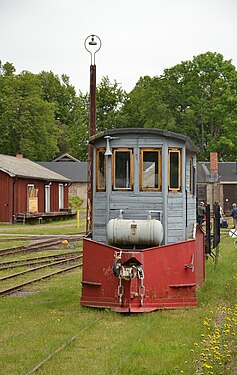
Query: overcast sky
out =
(139, 37)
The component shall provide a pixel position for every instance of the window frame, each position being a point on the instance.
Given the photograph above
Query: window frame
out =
(98, 151)
(29, 188)
(47, 198)
(179, 152)
(60, 196)
(192, 171)
(159, 176)
(131, 175)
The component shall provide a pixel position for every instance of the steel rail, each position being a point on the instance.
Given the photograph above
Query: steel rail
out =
(36, 260)
(73, 338)
(40, 267)
(34, 247)
(28, 248)
(20, 286)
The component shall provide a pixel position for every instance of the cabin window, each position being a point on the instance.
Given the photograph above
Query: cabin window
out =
(122, 169)
(192, 177)
(174, 169)
(150, 169)
(100, 169)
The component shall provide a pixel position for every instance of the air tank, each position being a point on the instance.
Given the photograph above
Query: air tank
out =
(134, 232)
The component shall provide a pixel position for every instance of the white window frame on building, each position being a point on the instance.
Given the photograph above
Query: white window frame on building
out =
(47, 197)
(60, 196)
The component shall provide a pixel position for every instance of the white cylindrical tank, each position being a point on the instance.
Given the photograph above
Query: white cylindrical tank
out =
(134, 232)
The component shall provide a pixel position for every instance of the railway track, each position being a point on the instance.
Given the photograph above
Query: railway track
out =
(36, 260)
(38, 246)
(21, 285)
(69, 341)
(58, 262)
(38, 263)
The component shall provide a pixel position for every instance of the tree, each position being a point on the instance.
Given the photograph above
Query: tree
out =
(110, 97)
(6, 69)
(79, 130)
(131, 115)
(202, 95)
(109, 100)
(41, 115)
(63, 95)
(197, 98)
(26, 120)
(145, 106)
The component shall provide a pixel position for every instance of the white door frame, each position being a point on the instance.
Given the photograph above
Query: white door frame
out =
(47, 198)
(60, 196)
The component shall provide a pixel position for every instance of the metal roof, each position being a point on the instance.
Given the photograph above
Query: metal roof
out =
(25, 168)
(66, 157)
(227, 172)
(75, 171)
(158, 132)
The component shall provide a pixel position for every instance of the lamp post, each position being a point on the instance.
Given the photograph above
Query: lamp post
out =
(92, 45)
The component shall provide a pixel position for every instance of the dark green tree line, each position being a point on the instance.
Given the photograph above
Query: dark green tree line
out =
(197, 98)
(42, 116)
(26, 120)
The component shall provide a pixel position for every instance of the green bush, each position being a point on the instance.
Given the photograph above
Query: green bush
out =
(74, 202)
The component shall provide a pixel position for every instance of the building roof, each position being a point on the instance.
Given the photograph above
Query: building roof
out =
(25, 168)
(75, 171)
(158, 132)
(227, 172)
(66, 157)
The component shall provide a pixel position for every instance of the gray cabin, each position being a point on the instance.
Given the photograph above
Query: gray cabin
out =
(144, 172)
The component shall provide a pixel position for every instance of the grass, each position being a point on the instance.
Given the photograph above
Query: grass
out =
(5, 244)
(69, 226)
(159, 343)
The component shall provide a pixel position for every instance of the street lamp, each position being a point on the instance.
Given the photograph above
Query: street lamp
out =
(92, 45)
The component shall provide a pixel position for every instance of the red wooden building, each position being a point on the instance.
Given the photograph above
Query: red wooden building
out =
(29, 190)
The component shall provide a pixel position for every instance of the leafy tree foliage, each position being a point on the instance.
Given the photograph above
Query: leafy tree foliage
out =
(203, 97)
(145, 106)
(26, 120)
(110, 97)
(197, 98)
(41, 115)
(68, 111)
